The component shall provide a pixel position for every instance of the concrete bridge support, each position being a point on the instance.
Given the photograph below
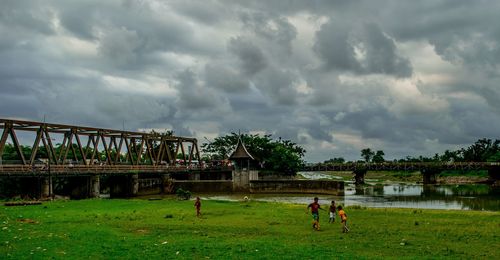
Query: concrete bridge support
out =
(359, 176)
(494, 175)
(167, 186)
(124, 186)
(79, 187)
(45, 187)
(430, 175)
(95, 186)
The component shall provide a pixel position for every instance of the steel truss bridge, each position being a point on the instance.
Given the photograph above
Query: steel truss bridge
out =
(106, 150)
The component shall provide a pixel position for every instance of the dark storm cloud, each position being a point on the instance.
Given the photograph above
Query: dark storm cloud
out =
(408, 78)
(278, 85)
(363, 50)
(252, 59)
(225, 78)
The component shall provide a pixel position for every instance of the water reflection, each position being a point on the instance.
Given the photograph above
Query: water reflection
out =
(469, 197)
(395, 195)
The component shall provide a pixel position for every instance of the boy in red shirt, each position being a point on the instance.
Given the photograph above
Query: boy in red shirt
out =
(315, 212)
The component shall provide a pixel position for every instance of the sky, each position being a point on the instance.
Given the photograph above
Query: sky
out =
(410, 78)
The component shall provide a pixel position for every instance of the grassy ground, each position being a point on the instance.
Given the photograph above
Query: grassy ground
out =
(168, 228)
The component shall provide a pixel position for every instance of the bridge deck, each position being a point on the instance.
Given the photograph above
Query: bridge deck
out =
(21, 170)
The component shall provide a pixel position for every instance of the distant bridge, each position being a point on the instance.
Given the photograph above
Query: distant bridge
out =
(402, 166)
(429, 170)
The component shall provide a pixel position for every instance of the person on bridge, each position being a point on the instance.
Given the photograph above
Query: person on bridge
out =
(197, 205)
(343, 218)
(315, 207)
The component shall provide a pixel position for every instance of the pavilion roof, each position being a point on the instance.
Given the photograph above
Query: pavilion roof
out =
(241, 151)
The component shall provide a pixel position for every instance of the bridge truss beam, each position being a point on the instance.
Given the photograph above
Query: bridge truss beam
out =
(103, 147)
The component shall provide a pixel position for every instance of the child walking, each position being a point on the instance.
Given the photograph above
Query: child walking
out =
(343, 218)
(197, 205)
(332, 212)
(315, 212)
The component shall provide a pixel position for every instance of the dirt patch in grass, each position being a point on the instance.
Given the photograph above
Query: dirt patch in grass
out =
(27, 220)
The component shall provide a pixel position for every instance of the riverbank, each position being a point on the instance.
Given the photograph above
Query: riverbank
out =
(168, 228)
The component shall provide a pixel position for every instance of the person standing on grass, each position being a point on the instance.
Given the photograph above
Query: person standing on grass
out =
(197, 205)
(343, 218)
(315, 207)
(333, 210)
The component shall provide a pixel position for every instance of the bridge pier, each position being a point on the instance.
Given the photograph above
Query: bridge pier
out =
(430, 175)
(494, 175)
(45, 187)
(359, 176)
(95, 186)
(124, 186)
(167, 185)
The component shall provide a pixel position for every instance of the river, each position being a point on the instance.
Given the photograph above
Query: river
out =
(394, 195)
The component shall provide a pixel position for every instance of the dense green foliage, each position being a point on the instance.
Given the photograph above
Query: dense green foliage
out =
(370, 156)
(165, 229)
(276, 155)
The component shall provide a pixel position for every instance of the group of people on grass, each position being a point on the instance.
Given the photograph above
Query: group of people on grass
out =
(315, 207)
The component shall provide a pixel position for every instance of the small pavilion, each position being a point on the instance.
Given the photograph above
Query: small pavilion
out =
(244, 167)
(242, 159)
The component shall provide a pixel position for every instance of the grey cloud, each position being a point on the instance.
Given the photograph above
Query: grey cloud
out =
(275, 29)
(120, 47)
(206, 12)
(29, 16)
(333, 47)
(278, 85)
(381, 54)
(251, 58)
(364, 50)
(196, 97)
(225, 78)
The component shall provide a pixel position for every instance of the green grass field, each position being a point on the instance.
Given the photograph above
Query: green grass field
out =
(163, 229)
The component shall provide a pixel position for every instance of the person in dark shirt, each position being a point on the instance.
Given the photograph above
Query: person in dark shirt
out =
(315, 207)
(197, 205)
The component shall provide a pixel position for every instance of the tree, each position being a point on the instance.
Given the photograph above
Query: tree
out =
(367, 154)
(378, 157)
(481, 151)
(276, 155)
(336, 160)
